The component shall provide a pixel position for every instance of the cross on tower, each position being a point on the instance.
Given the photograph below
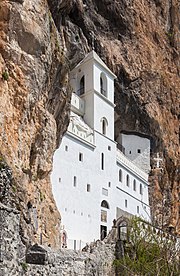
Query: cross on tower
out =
(158, 159)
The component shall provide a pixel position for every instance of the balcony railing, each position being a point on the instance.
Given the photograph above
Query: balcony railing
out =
(77, 104)
(121, 148)
(103, 92)
(81, 91)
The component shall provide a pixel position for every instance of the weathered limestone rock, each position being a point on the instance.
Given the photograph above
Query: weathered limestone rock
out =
(96, 260)
(34, 104)
(36, 255)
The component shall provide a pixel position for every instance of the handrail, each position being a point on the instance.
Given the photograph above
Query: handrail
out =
(103, 92)
(80, 91)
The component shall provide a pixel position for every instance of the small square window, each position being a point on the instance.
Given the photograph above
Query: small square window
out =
(80, 157)
(66, 148)
(109, 147)
(104, 191)
(139, 151)
(109, 184)
(88, 187)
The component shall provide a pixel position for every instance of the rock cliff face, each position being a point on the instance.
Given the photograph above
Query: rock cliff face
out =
(34, 108)
(40, 42)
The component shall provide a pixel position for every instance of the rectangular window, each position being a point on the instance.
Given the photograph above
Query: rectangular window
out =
(126, 203)
(66, 148)
(74, 244)
(139, 151)
(80, 157)
(59, 179)
(103, 216)
(102, 161)
(75, 181)
(109, 147)
(109, 184)
(104, 191)
(88, 187)
(138, 209)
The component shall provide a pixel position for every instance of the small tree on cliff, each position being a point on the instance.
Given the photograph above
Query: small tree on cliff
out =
(150, 251)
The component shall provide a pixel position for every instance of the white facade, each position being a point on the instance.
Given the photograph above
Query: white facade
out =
(137, 149)
(91, 179)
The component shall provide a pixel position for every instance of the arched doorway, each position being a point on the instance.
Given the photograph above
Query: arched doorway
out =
(103, 226)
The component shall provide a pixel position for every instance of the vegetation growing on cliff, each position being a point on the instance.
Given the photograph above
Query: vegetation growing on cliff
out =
(148, 252)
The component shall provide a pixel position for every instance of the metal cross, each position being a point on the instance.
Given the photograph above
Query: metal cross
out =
(158, 159)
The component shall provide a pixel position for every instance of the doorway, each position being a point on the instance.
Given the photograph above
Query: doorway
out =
(103, 232)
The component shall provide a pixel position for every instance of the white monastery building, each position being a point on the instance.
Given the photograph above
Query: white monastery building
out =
(93, 181)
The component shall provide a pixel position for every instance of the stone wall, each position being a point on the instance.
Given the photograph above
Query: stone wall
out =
(96, 259)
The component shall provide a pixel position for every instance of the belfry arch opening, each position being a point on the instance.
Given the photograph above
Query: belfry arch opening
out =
(81, 86)
(103, 84)
(104, 124)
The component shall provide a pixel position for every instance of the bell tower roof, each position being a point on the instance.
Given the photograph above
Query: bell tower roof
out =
(94, 56)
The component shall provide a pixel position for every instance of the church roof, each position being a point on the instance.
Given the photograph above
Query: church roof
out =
(94, 56)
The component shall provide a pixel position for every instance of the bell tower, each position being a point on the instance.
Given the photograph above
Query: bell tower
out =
(93, 82)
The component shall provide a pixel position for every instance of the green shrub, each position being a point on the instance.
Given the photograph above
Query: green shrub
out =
(5, 75)
(24, 266)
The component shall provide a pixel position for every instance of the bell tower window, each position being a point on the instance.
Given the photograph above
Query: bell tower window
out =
(103, 84)
(104, 124)
(81, 86)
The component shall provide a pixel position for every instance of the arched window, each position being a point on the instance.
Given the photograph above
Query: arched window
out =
(140, 189)
(104, 124)
(134, 185)
(127, 180)
(102, 161)
(104, 127)
(120, 175)
(82, 86)
(105, 204)
(103, 84)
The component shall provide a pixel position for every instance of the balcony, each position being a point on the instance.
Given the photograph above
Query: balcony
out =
(77, 104)
(103, 92)
(80, 129)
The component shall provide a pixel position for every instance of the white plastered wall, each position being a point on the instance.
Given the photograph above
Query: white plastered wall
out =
(133, 143)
